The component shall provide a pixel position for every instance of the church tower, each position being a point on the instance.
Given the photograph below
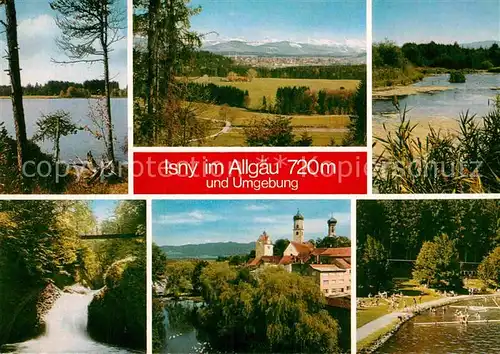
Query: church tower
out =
(263, 246)
(298, 228)
(332, 223)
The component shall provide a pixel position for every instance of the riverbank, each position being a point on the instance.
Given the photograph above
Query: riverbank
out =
(41, 97)
(373, 335)
(388, 92)
(421, 131)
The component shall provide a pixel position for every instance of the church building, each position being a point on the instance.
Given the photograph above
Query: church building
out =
(330, 266)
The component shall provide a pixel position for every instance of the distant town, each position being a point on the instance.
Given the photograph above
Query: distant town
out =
(290, 61)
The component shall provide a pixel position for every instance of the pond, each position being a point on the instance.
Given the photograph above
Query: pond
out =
(422, 335)
(79, 108)
(473, 95)
(181, 335)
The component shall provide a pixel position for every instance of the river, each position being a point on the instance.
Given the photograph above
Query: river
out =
(474, 338)
(79, 109)
(66, 329)
(181, 335)
(472, 95)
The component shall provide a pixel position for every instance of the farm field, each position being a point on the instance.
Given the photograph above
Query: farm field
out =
(260, 87)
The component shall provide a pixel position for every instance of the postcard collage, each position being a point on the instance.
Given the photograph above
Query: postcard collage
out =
(249, 176)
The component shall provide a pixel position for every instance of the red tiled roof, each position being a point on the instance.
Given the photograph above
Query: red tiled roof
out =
(325, 267)
(303, 248)
(271, 259)
(254, 262)
(286, 260)
(342, 263)
(318, 251)
(264, 237)
(337, 252)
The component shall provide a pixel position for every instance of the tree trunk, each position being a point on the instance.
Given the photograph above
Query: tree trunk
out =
(153, 10)
(172, 46)
(15, 79)
(58, 137)
(109, 123)
(107, 92)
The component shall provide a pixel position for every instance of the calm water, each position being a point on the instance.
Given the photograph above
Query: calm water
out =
(182, 336)
(72, 145)
(66, 330)
(474, 338)
(473, 95)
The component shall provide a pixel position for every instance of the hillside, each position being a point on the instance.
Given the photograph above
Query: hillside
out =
(482, 44)
(208, 250)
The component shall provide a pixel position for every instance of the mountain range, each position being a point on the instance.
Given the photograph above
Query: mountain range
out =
(208, 250)
(282, 48)
(482, 44)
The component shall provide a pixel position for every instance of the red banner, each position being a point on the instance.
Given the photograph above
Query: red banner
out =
(250, 173)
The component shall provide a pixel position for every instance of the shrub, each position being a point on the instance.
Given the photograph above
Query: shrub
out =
(74, 92)
(276, 131)
(46, 179)
(489, 269)
(219, 95)
(457, 77)
(117, 314)
(441, 162)
(301, 100)
(486, 65)
(437, 264)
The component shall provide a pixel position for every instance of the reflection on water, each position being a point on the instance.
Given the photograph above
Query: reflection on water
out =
(66, 330)
(473, 95)
(71, 145)
(450, 338)
(182, 336)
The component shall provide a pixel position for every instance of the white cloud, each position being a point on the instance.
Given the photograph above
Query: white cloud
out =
(191, 217)
(37, 47)
(266, 220)
(257, 207)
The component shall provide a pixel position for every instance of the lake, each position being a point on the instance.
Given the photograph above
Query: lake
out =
(450, 338)
(473, 95)
(79, 109)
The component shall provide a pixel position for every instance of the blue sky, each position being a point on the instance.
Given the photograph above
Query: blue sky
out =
(103, 209)
(179, 222)
(324, 21)
(37, 32)
(443, 21)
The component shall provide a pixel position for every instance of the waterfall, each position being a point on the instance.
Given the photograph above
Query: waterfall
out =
(66, 327)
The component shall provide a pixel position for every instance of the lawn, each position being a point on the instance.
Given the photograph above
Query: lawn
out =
(260, 87)
(409, 289)
(240, 117)
(236, 138)
(322, 128)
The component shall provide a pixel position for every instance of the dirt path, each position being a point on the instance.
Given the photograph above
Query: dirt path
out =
(226, 129)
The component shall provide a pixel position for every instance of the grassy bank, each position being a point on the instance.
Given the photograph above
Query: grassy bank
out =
(389, 77)
(41, 97)
(409, 289)
(366, 345)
